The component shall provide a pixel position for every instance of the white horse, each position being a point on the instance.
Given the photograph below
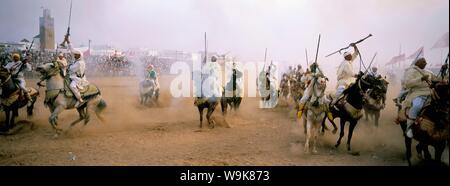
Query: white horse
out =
(149, 91)
(268, 90)
(58, 97)
(316, 110)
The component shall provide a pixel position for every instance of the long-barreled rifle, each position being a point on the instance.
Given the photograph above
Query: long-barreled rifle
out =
(63, 44)
(345, 48)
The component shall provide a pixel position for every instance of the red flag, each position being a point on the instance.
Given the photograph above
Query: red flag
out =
(396, 59)
(87, 53)
(442, 42)
(417, 54)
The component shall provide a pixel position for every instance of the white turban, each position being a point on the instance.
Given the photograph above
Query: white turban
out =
(347, 53)
(77, 52)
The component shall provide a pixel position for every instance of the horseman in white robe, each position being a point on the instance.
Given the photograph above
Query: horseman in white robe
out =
(233, 69)
(17, 68)
(345, 74)
(416, 80)
(77, 74)
(308, 78)
(374, 72)
(211, 81)
(271, 75)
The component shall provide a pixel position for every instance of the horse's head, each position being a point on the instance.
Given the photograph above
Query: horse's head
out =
(320, 84)
(148, 83)
(441, 90)
(48, 69)
(366, 81)
(4, 73)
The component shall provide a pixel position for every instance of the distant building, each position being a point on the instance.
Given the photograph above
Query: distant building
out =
(46, 31)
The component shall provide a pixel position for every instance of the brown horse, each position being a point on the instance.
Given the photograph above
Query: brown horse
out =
(432, 123)
(12, 98)
(374, 101)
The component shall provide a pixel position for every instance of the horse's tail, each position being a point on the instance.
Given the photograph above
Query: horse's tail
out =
(99, 108)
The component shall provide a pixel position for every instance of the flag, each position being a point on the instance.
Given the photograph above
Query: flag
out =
(442, 42)
(417, 54)
(87, 53)
(396, 59)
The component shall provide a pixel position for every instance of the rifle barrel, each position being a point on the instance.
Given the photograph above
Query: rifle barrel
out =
(317, 51)
(357, 42)
(307, 63)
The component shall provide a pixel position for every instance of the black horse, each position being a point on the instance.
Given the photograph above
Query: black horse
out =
(432, 124)
(203, 103)
(12, 98)
(348, 107)
(234, 101)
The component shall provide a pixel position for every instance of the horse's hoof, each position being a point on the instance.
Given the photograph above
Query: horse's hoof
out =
(212, 124)
(334, 131)
(306, 151)
(314, 151)
(55, 136)
(419, 155)
(337, 145)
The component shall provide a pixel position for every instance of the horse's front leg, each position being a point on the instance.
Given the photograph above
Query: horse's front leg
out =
(15, 113)
(200, 111)
(211, 109)
(377, 117)
(316, 130)
(7, 115)
(350, 134)
(341, 133)
(308, 136)
(54, 117)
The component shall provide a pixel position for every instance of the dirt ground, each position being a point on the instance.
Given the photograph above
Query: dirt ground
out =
(168, 134)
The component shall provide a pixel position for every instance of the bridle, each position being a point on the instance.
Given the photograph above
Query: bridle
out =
(6, 80)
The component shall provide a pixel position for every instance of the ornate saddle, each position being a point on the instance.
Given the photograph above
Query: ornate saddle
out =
(86, 91)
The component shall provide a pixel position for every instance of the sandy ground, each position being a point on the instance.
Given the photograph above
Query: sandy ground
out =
(168, 134)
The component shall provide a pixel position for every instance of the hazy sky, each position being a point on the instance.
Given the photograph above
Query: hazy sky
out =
(244, 27)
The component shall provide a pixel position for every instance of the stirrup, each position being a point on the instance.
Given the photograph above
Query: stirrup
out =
(79, 103)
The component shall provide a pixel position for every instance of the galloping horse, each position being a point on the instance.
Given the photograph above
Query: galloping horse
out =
(12, 99)
(316, 110)
(297, 89)
(285, 87)
(148, 91)
(268, 91)
(235, 100)
(348, 107)
(58, 97)
(432, 124)
(374, 101)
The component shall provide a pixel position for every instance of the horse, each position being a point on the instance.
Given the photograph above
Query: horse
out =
(348, 107)
(58, 97)
(209, 103)
(235, 100)
(284, 88)
(12, 98)
(148, 91)
(374, 101)
(316, 110)
(268, 91)
(432, 124)
(297, 89)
